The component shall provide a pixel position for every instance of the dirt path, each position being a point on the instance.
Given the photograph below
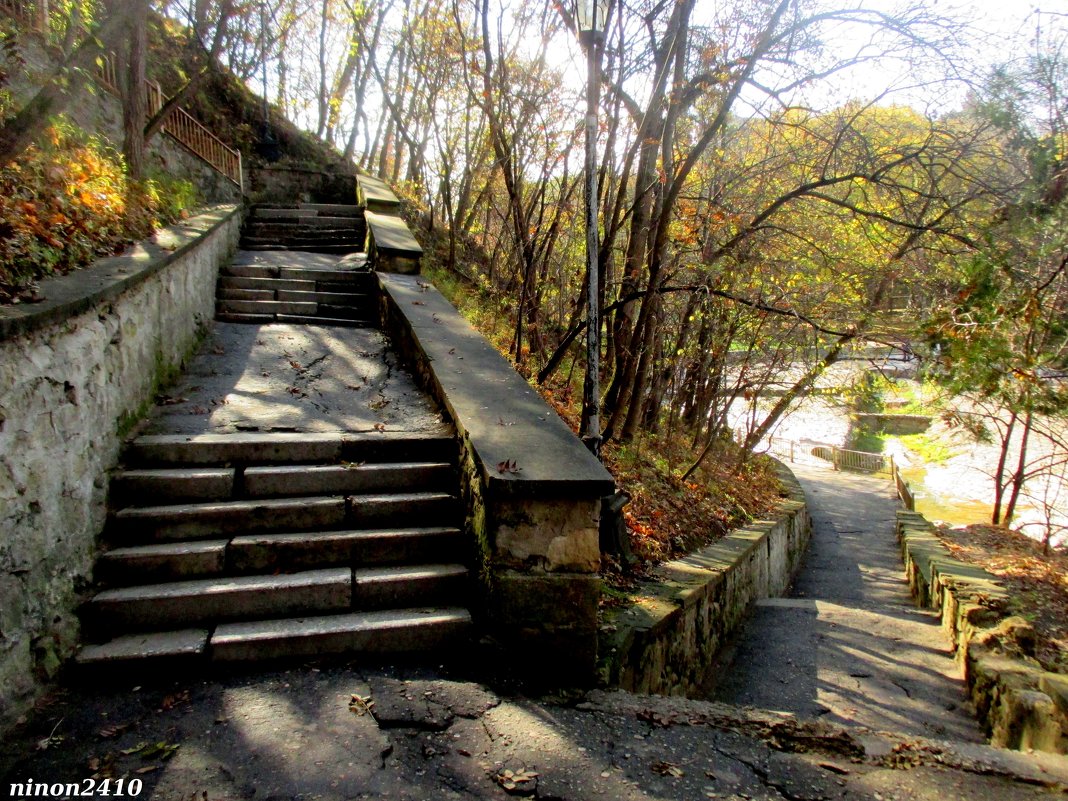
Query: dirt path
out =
(848, 644)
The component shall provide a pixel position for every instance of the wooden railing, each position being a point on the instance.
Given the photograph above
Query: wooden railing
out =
(179, 125)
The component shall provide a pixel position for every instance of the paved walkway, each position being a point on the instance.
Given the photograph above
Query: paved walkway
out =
(848, 645)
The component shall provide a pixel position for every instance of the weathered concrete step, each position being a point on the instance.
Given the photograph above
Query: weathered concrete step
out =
(403, 509)
(169, 561)
(329, 298)
(343, 322)
(354, 279)
(172, 484)
(334, 209)
(227, 281)
(263, 553)
(270, 213)
(171, 649)
(149, 524)
(306, 218)
(411, 630)
(249, 319)
(348, 479)
(280, 448)
(153, 524)
(266, 307)
(222, 293)
(182, 604)
(409, 585)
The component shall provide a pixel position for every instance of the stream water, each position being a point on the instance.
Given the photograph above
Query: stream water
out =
(938, 507)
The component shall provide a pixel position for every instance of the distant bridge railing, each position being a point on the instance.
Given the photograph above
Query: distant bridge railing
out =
(822, 453)
(179, 125)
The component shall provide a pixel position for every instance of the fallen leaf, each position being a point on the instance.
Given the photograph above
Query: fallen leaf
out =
(361, 705)
(113, 730)
(665, 768)
(146, 769)
(509, 466)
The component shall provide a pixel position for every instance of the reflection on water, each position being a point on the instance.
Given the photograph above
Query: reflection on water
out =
(940, 508)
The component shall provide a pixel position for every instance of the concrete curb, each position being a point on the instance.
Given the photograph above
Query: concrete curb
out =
(1020, 705)
(663, 642)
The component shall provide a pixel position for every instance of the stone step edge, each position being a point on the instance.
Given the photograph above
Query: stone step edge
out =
(255, 448)
(139, 592)
(112, 560)
(215, 484)
(195, 645)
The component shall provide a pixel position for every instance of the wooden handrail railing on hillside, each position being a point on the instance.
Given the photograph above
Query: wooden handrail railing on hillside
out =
(179, 125)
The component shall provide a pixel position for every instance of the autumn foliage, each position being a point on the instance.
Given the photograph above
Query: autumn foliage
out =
(65, 202)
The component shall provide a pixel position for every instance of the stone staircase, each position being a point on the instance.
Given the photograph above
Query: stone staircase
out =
(236, 547)
(316, 227)
(251, 292)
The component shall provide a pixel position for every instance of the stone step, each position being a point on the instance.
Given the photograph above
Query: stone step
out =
(302, 218)
(355, 280)
(348, 479)
(248, 319)
(169, 561)
(273, 285)
(343, 322)
(403, 586)
(265, 213)
(252, 271)
(266, 307)
(149, 524)
(284, 447)
(305, 550)
(145, 525)
(183, 604)
(164, 650)
(334, 209)
(163, 484)
(223, 293)
(419, 630)
(346, 299)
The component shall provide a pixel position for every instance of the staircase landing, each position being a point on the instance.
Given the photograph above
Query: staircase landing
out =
(294, 378)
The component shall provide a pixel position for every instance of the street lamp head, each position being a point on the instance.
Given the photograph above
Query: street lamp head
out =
(590, 18)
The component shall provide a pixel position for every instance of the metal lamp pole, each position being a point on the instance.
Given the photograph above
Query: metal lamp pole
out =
(590, 18)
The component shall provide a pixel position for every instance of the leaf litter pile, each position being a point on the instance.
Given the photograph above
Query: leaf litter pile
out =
(1037, 582)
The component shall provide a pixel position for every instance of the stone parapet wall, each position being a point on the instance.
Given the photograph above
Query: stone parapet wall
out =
(1019, 704)
(531, 490)
(665, 639)
(76, 371)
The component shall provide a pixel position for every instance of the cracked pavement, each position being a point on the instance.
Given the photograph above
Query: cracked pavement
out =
(349, 732)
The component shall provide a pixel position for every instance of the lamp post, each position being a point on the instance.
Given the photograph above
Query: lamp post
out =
(590, 16)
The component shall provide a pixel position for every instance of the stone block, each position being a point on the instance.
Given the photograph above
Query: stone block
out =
(553, 535)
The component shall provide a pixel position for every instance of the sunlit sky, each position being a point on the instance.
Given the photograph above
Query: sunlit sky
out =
(998, 31)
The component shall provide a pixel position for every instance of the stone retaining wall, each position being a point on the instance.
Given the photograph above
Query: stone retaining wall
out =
(1019, 704)
(664, 641)
(76, 371)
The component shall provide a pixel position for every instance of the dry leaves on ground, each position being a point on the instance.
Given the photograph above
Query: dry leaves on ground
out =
(1037, 582)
